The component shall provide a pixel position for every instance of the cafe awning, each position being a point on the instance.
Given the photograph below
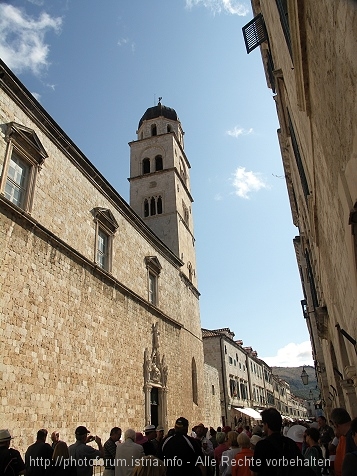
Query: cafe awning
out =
(250, 412)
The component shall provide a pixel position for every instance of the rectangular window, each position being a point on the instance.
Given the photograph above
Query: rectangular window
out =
(284, 20)
(230, 360)
(152, 288)
(103, 249)
(17, 180)
(232, 385)
(298, 159)
(24, 157)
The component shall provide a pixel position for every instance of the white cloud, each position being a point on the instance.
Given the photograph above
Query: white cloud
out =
(126, 41)
(246, 182)
(239, 131)
(218, 197)
(22, 44)
(292, 355)
(234, 7)
(39, 3)
(123, 41)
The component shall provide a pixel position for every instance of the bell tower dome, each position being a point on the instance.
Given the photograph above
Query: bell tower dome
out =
(160, 183)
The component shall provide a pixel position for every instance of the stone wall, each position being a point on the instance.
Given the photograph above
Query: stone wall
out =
(317, 86)
(212, 415)
(72, 335)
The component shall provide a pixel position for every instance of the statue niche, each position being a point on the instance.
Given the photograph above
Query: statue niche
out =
(155, 368)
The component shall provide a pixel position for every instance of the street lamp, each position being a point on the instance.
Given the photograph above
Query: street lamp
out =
(304, 376)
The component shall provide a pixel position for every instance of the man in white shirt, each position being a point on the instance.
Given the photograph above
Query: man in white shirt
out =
(127, 454)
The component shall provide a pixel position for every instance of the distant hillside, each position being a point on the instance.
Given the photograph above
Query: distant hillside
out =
(293, 376)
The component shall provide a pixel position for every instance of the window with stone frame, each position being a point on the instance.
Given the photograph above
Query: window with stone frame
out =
(153, 271)
(233, 387)
(153, 206)
(24, 158)
(194, 382)
(106, 227)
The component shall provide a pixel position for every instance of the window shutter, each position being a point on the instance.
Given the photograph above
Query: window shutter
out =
(254, 33)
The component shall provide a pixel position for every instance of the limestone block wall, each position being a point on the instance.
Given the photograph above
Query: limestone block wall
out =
(72, 335)
(212, 407)
(73, 343)
(318, 87)
(62, 185)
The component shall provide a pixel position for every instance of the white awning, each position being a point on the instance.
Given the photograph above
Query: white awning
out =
(250, 412)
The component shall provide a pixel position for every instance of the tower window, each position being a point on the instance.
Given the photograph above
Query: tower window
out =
(169, 128)
(183, 173)
(153, 130)
(186, 215)
(152, 206)
(146, 166)
(158, 163)
(159, 206)
(146, 208)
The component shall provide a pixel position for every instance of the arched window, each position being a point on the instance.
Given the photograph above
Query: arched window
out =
(153, 130)
(158, 162)
(146, 166)
(159, 205)
(146, 208)
(152, 206)
(194, 382)
(169, 128)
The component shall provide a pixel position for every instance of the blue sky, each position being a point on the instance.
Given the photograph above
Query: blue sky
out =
(96, 66)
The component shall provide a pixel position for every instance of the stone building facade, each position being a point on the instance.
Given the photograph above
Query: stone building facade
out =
(99, 317)
(212, 395)
(309, 55)
(246, 382)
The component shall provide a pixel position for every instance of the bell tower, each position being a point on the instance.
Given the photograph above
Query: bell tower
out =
(160, 183)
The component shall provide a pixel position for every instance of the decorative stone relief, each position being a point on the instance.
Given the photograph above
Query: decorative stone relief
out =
(155, 368)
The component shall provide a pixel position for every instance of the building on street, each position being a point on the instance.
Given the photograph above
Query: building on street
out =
(308, 51)
(99, 308)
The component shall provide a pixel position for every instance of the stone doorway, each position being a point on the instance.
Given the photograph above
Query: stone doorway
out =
(155, 381)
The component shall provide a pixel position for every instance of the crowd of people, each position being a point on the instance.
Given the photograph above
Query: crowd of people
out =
(271, 448)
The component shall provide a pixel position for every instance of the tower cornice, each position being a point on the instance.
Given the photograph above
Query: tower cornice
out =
(153, 174)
